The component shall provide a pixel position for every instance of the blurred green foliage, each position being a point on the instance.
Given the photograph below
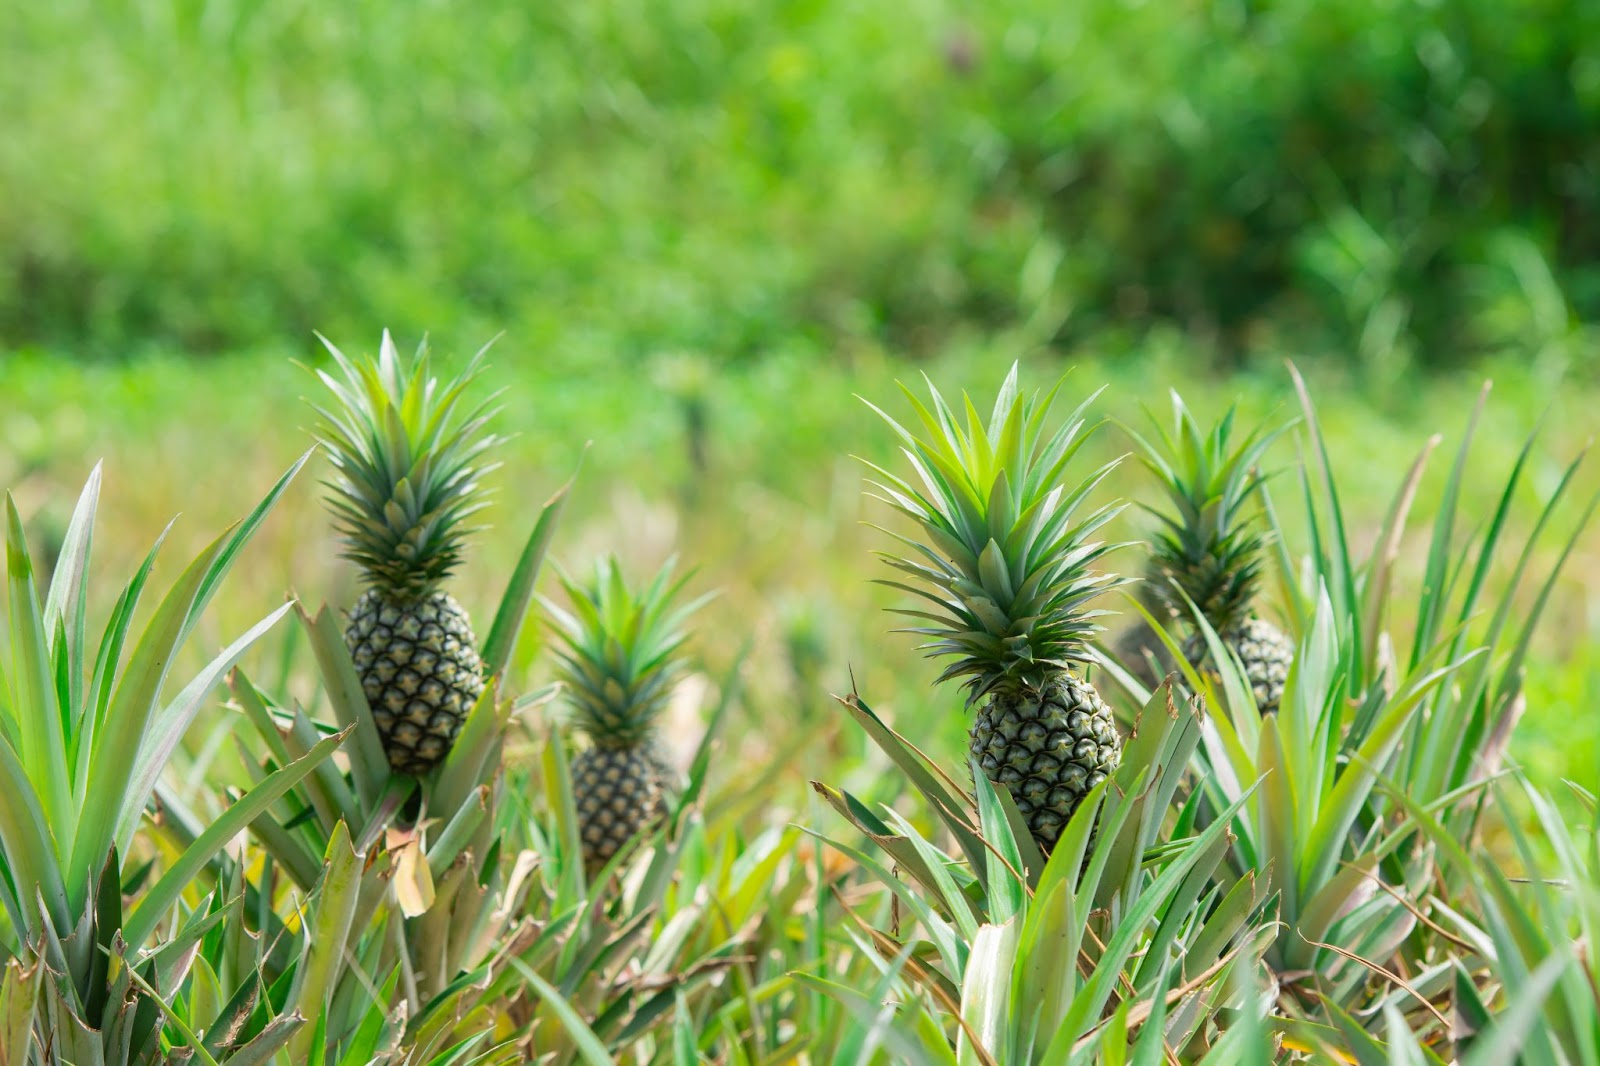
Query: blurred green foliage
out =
(1400, 183)
(767, 502)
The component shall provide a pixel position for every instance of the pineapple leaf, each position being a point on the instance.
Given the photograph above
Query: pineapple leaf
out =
(160, 897)
(519, 593)
(369, 768)
(1006, 564)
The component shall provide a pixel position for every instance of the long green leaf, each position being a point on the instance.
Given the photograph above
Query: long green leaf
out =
(190, 1040)
(133, 705)
(108, 659)
(235, 820)
(369, 767)
(236, 540)
(475, 757)
(68, 600)
(25, 842)
(1509, 1033)
(951, 810)
(329, 933)
(987, 1007)
(37, 707)
(173, 721)
(1341, 570)
(19, 998)
(589, 1046)
(869, 1011)
(513, 608)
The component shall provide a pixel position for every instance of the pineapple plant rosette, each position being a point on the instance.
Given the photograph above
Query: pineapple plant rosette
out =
(1132, 942)
(96, 938)
(1206, 555)
(620, 658)
(406, 483)
(1007, 571)
(420, 882)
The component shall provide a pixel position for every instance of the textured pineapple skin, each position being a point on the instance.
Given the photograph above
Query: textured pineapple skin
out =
(620, 792)
(420, 671)
(1264, 651)
(1049, 747)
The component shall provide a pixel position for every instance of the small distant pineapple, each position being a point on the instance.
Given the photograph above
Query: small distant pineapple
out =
(1007, 572)
(1210, 549)
(405, 483)
(620, 659)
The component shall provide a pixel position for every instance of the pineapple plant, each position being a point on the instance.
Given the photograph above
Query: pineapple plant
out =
(1138, 644)
(1007, 570)
(1207, 551)
(405, 485)
(621, 654)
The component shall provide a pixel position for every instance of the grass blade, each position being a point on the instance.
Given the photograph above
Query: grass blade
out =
(589, 1046)
(513, 608)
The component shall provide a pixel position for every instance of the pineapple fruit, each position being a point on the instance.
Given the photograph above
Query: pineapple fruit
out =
(1007, 571)
(404, 486)
(1208, 550)
(620, 657)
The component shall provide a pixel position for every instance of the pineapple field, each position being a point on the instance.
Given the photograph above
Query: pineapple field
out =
(867, 534)
(1247, 735)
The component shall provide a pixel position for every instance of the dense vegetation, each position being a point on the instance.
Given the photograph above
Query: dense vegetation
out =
(1387, 182)
(737, 821)
(361, 918)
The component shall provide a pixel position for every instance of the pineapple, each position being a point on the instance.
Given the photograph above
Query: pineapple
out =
(1209, 552)
(1007, 570)
(405, 484)
(620, 659)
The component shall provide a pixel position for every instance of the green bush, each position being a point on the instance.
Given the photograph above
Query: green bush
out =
(1357, 171)
(1389, 181)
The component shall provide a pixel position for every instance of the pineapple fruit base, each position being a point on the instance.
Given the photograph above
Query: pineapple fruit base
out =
(1263, 650)
(420, 671)
(619, 792)
(1048, 747)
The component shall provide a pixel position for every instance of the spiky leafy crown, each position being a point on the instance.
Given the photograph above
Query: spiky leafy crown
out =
(1208, 546)
(406, 468)
(1004, 564)
(622, 651)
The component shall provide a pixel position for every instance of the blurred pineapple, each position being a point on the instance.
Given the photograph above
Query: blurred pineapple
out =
(1208, 550)
(620, 658)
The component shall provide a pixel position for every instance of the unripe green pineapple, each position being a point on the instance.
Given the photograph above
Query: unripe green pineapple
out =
(620, 657)
(405, 483)
(1209, 551)
(1007, 570)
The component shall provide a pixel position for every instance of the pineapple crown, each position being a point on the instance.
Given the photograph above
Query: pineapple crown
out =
(1208, 549)
(406, 467)
(622, 650)
(1005, 565)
